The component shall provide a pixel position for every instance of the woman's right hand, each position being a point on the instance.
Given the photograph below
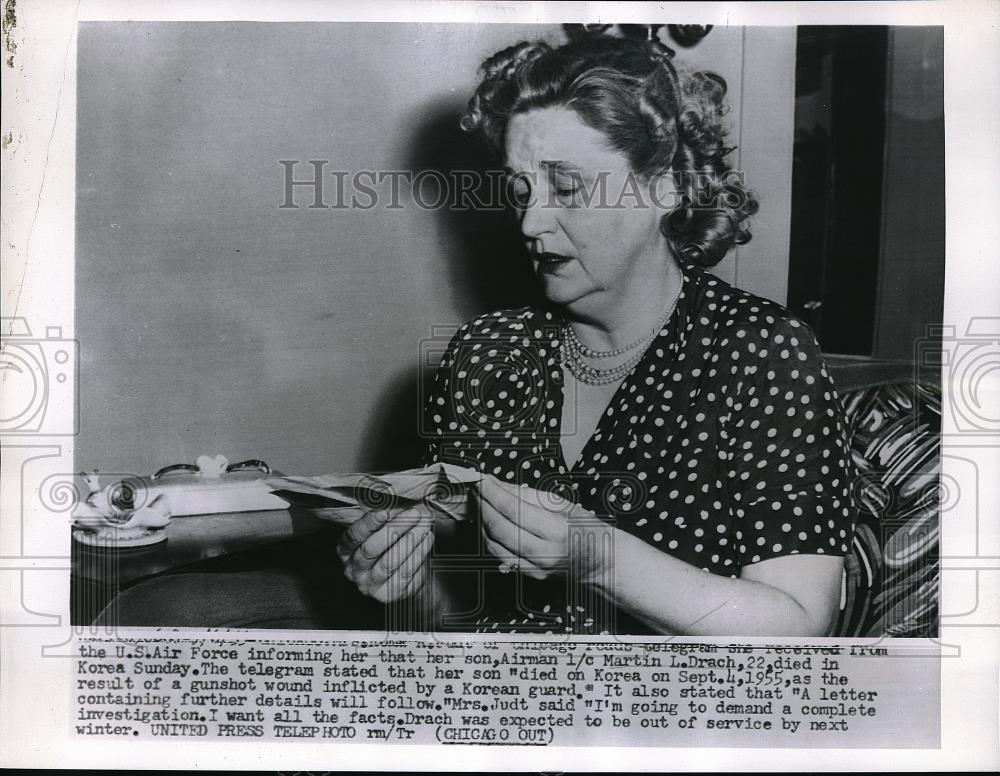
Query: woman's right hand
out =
(385, 553)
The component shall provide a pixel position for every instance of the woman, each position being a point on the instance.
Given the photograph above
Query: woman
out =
(653, 424)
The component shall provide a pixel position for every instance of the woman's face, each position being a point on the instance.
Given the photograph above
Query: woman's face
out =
(590, 224)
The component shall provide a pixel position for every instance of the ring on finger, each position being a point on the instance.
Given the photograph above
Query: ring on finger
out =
(507, 566)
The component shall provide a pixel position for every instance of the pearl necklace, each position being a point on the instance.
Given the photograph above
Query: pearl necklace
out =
(574, 352)
(574, 342)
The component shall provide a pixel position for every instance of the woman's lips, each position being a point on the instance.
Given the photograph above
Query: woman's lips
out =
(550, 262)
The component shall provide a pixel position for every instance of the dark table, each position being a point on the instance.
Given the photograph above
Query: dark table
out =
(294, 540)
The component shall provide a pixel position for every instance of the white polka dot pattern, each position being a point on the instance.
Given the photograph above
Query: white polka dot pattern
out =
(724, 447)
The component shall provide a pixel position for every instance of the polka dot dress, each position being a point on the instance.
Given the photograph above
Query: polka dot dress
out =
(724, 447)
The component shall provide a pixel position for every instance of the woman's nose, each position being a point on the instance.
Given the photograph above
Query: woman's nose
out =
(536, 218)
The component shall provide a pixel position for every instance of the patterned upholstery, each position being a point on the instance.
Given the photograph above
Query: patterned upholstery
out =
(890, 585)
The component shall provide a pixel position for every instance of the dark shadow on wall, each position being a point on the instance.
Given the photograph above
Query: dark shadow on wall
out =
(488, 268)
(392, 439)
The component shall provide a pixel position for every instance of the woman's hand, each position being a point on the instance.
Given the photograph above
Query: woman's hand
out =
(385, 553)
(541, 533)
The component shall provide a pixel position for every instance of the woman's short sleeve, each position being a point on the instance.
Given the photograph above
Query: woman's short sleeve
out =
(785, 446)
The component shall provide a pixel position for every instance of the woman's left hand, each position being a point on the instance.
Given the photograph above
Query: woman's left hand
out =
(541, 534)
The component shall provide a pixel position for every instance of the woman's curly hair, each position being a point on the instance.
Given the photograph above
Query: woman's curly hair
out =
(630, 91)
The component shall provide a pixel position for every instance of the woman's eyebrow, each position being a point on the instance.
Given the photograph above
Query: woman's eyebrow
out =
(551, 165)
(558, 165)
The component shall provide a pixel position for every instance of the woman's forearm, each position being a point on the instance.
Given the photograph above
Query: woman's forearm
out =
(672, 596)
